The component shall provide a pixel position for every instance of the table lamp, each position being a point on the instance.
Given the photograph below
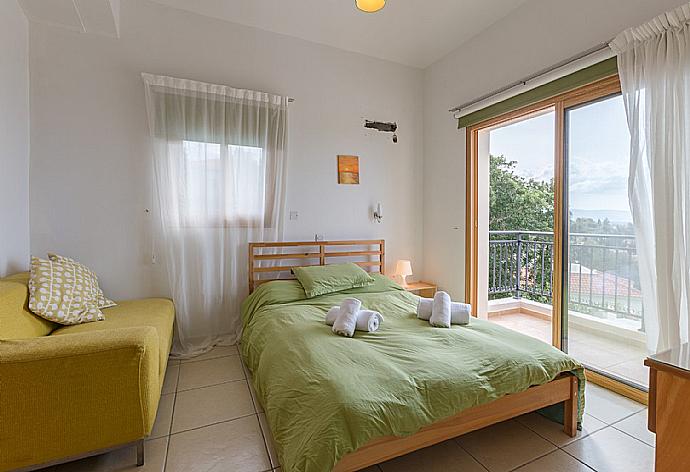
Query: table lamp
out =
(403, 268)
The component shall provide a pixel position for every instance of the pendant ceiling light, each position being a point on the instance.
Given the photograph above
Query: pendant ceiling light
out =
(370, 6)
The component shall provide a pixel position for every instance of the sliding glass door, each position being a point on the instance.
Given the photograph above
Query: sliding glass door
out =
(604, 327)
(578, 277)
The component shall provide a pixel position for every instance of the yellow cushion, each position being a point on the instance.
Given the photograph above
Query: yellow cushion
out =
(158, 313)
(16, 320)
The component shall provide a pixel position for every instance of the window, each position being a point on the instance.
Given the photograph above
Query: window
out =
(223, 185)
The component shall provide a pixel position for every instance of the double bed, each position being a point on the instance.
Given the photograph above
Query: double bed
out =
(336, 403)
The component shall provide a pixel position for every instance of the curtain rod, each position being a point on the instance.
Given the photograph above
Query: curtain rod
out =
(599, 47)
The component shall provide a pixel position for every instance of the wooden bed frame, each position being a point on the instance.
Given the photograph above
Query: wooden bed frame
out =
(563, 388)
(310, 253)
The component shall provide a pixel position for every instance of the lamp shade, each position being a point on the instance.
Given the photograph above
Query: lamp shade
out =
(370, 6)
(403, 268)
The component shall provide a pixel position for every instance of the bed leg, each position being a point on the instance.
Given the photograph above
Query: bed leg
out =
(140, 453)
(570, 410)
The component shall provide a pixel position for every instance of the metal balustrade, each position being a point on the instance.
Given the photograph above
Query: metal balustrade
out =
(603, 271)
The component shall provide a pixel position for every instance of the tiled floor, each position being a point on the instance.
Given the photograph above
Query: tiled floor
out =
(209, 420)
(614, 355)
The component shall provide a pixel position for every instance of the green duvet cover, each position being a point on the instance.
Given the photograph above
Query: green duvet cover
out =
(326, 395)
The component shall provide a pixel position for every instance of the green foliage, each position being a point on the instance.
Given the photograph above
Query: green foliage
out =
(517, 203)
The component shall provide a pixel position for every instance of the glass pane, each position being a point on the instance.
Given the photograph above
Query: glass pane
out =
(604, 327)
(223, 184)
(520, 247)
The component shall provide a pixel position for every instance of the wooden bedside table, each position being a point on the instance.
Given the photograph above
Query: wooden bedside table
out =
(423, 289)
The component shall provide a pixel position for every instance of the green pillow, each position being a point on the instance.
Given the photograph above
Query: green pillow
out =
(319, 280)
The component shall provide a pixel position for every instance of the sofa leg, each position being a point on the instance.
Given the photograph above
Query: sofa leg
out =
(140, 453)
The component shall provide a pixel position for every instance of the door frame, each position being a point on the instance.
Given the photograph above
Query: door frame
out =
(593, 91)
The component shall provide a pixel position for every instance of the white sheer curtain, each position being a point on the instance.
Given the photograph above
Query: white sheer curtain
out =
(654, 68)
(219, 168)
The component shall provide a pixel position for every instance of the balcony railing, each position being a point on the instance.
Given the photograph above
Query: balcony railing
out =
(603, 277)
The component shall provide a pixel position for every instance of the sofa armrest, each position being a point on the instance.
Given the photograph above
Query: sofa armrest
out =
(62, 396)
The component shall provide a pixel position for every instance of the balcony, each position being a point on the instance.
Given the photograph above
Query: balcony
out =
(605, 327)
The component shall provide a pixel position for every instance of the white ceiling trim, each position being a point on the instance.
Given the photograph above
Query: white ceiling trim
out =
(84, 16)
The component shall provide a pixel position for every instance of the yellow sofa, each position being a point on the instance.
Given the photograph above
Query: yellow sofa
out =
(73, 391)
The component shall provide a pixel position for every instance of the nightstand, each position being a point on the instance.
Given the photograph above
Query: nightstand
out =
(423, 289)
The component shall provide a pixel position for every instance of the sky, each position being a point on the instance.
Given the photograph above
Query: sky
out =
(598, 153)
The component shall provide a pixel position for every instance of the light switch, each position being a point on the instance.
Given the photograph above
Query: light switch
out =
(294, 215)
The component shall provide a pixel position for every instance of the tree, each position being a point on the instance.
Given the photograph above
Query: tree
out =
(517, 203)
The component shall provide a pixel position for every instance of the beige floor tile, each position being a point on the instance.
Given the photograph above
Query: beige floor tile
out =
(610, 450)
(173, 362)
(505, 446)
(607, 406)
(598, 357)
(120, 460)
(555, 461)
(553, 432)
(170, 381)
(216, 352)
(210, 372)
(231, 446)
(208, 405)
(636, 426)
(592, 348)
(163, 417)
(633, 370)
(444, 457)
(270, 445)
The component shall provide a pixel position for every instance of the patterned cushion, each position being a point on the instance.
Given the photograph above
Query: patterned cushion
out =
(102, 301)
(63, 291)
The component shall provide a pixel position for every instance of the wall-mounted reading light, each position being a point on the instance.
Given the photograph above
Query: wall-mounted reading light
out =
(378, 213)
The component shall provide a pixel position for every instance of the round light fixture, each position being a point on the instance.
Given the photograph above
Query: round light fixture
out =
(370, 6)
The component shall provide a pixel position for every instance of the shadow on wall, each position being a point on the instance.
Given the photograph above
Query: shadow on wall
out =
(12, 267)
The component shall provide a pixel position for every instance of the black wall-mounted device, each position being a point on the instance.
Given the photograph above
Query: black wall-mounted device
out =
(385, 126)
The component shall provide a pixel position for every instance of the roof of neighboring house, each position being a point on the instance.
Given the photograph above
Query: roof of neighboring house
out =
(586, 280)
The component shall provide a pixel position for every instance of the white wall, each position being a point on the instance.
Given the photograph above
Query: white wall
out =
(89, 150)
(14, 138)
(535, 36)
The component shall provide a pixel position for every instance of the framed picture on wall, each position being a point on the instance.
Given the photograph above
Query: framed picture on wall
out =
(348, 170)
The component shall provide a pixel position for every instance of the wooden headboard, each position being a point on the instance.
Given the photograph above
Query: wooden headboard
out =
(310, 253)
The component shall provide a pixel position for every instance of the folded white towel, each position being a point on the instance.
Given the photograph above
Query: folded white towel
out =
(367, 320)
(424, 308)
(459, 312)
(346, 321)
(440, 313)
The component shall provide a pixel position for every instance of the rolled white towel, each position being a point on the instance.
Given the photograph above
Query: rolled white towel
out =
(346, 321)
(440, 314)
(332, 315)
(424, 308)
(367, 320)
(459, 312)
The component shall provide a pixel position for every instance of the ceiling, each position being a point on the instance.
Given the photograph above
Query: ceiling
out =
(412, 32)
(85, 16)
